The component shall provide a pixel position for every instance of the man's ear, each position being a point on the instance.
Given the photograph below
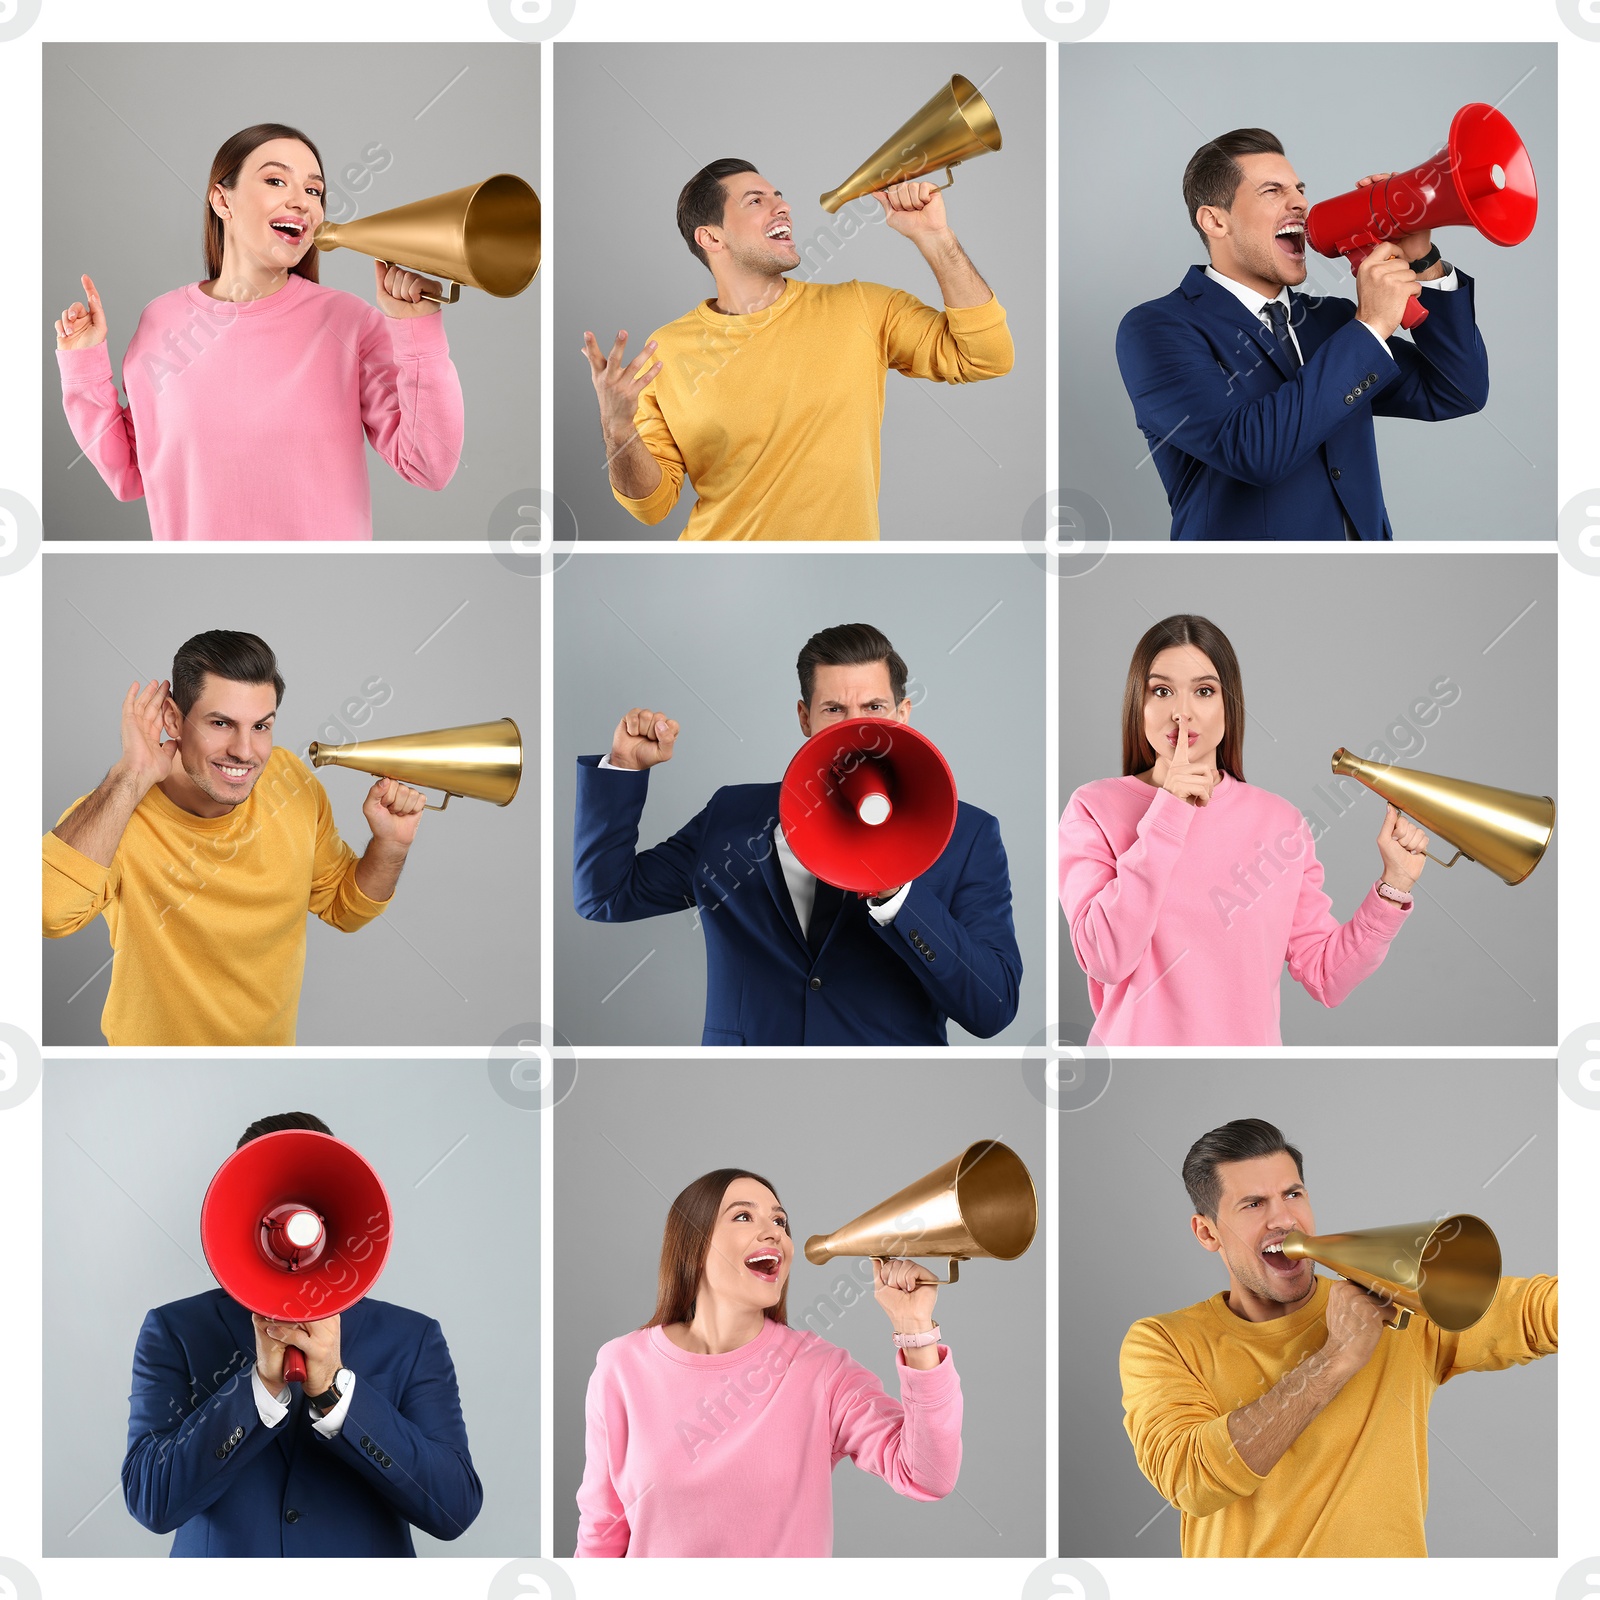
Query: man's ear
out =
(1205, 1230)
(706, 237)
(172, 719)
(1212, 221)
(903, 710)
(803, 711)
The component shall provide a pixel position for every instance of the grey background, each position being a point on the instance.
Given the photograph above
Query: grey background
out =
(122, 1234)
(139, 125)
(1133, 115)
(712, 641)
(455, 960)
(959, 462)
(639, 1132)
(1477, 965)
(1383, 1142)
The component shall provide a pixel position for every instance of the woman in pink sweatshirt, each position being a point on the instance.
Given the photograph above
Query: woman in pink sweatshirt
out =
(714, 1429)
(1186, 889)
(250, 394)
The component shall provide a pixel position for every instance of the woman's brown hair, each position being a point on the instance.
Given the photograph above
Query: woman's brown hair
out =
(687, 1242)
(1211, 641)
(225, 167)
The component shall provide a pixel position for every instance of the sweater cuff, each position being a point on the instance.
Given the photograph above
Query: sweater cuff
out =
(976, 319)
(932, 1386)
(83, 369)
(1383, 916)
(356, 899)
(1167, 814)
(73, 864)
(413, 338)
(655, 505)
(1221, 1460)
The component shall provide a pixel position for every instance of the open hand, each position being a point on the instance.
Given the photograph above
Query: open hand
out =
(146, 761)
(618, 382)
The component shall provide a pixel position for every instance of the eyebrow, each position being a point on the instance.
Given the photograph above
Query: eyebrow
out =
(748, 192)
(222, 716)
(314, 177)
(1245, 1199)
(1205, 677)
(1277, 183)
(750, 1205)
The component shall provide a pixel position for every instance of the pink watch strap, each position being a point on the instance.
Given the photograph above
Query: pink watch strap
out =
(917, 1341)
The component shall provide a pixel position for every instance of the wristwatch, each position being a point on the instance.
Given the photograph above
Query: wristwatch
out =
(325, 1402)
(1422, 263)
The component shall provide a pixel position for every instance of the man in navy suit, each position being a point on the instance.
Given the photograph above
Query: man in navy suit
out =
(791, 960)
(240, 1463)
(1257, 403)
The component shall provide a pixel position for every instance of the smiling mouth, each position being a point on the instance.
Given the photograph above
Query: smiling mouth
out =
(290, 230)
(765, 1265)
(1291, 240)
(783, 233)
(232, 774)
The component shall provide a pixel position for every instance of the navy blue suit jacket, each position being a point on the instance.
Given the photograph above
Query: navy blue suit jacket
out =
(1250, 447)
(201, 1461)
(951, 950)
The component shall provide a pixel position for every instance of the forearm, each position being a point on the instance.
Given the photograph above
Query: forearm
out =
(635, 473)
(378, 870)
(1263, 1430)
(95, 828)
(959, 281)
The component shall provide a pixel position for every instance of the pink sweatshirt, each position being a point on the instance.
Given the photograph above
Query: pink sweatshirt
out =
(246, 421)
(731, 1455)
(1183, 915)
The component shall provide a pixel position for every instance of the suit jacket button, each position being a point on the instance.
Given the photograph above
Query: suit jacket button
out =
(1333, 472)
(816, 983)
(1372, 377)
(1349, 399)
(219, 1452)
(364, 1441)
(291, 1515)
(387, 1462)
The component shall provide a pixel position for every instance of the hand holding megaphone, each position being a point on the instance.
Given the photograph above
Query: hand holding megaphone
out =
(1386, 287)
(1404, 848)
(393, 810)
(402, 293)
(1356, 1319)
(315, 1344)
(905, 1289)
(643, 739)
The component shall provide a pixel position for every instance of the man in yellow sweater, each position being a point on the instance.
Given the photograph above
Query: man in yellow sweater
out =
(1279, 1416)
(769, 396)
(205, 852)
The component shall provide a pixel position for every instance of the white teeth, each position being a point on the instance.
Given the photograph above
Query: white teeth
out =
(1274, 1248)
(1293, 227)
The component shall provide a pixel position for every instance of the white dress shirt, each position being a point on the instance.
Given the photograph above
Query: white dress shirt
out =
(273, 1408)
(801, 882)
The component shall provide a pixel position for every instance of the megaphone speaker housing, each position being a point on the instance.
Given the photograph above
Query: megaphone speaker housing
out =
(249, 1217)
(868, 804)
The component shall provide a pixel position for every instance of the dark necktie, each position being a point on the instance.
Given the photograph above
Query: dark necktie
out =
(1278, 315)
(824, 908)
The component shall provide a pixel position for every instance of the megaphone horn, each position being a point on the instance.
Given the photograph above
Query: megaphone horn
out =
(955, 125)
(1500, 829)
(479, 761)
(1448, 1270)
(295, 1227)
(1483, 177)
(979, 1203)
(485, 236)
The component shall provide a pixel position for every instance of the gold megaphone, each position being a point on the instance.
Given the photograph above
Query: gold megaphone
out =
(485, 236)
(1500, 829)
(955, 125)
(1449, 1270)
(480, 761)
(980, 1203)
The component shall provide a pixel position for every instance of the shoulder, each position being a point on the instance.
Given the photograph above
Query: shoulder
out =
(185, 1312)
(1170, 1330)
(400, 1323)
(627, 1350)
(747, 799)
(1105, 794)
(688, 326)
(1176, 306)
(974, 820)
(1263, 803)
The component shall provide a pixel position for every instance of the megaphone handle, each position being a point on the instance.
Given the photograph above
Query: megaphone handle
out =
(950, 173)
(1402, 1320)
(441, 805)
(1415, 313)
(455, 294)
(1451, 862)
(294, 1365)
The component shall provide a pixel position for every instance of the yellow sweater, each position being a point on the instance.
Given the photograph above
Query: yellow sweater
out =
(775, 417)
(207, 915)
(1355, 1483)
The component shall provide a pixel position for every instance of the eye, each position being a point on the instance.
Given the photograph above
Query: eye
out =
(275, 180)
(1207, 690)
(1159, 691)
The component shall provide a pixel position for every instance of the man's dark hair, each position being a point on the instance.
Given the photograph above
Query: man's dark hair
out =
(278, 1123)
(1243, 1139)
(1213, 175)
(703, 199)
(239, 657)
(851, 644)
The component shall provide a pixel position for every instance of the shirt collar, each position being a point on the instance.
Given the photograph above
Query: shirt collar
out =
(1247, 297)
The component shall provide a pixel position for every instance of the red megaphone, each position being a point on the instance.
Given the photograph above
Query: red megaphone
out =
(295, 1226)
(868, 804)
(1483, 177)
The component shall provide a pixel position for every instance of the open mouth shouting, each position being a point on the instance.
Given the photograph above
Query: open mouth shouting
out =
(1278, 1264)
(764, 1264)
(290, 228)
(1291, 240)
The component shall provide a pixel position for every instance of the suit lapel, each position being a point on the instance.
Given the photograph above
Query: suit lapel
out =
(772, 876)
(1245, 331)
